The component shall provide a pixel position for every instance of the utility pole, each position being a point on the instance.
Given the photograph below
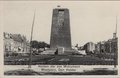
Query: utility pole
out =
(30, 55)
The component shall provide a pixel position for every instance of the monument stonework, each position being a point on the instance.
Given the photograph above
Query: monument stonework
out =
(60, 30)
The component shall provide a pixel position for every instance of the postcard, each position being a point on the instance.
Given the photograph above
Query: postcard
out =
(60, 38)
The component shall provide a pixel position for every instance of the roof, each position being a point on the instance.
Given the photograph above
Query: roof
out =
(15, 37)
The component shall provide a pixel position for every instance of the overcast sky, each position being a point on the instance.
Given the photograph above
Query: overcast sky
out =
(89, 21)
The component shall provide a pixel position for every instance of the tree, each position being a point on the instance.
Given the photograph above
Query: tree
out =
(34, 44)
(37, 45)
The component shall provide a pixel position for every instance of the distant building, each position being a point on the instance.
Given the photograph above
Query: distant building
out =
(98, 47)
(15, 43)
(109, 46)
(89, 47)
(102, 46)
(107, 49)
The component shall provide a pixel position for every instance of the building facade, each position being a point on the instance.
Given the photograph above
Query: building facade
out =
(89, 47)
(108, 50)
(15, 43)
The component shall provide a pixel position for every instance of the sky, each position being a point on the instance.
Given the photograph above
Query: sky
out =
(89, 20)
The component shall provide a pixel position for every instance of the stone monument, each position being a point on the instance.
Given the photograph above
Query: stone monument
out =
(60, 30)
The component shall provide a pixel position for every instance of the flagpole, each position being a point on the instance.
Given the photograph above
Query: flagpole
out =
(30, 55)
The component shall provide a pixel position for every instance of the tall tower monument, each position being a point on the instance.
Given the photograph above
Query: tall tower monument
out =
(60, 29)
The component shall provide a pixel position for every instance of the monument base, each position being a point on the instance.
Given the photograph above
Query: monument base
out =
(59, 51)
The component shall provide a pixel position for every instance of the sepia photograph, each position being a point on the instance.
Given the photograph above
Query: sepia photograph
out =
(62, 38)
